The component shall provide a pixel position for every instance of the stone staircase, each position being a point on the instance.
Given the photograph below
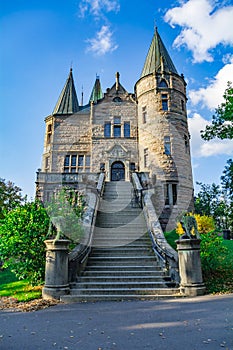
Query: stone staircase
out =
(122, 264)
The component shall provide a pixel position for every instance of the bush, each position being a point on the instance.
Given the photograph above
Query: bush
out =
(217, 264)
(204, 224)
(22, 234)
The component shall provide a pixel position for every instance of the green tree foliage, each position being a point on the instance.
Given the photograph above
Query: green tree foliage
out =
(210, 201)
(67, 206)
(222, 122)
(22, 234)
(217, 263)
(10, 196)
(227, 185)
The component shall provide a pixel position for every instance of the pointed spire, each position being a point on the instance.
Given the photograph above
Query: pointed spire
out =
(96, 93)
(158, 58)
(68, 101)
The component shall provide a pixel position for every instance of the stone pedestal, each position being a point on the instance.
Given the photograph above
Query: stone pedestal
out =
(56, 269)
(191, 282)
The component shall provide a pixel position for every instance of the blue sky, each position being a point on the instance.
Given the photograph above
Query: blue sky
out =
(41, 40)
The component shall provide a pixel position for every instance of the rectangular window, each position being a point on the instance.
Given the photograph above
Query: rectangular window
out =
(80, 161)
(186, 143)
(88, 161)
(144, 115)
(174, 193)
(132, 167)
(167, 145)
(146, 157)
(49, 133)
(73, 160)
(117, 131)
(67, 161)
(182, 105)
(164, 102)
(107, 130)
(166, 194)
(74, 163)
(126, 129)
(46, 162)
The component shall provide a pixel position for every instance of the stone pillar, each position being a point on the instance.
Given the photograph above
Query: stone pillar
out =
(56, 269)
(191, 282)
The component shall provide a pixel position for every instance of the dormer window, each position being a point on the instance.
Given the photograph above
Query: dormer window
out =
(163, 84)
(117, 99)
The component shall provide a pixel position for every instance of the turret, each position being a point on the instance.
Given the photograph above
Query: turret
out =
(163, 133)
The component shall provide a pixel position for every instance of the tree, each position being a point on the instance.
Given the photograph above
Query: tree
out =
(10, 196)
(222, 122)
(227, 185)
(210, 201)
(22, 234)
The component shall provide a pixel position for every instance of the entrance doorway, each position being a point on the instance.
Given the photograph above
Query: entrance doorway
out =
(117, 171)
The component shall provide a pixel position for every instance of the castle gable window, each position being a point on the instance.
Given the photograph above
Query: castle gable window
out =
(126, 129)
(167, 145)
(164, 102)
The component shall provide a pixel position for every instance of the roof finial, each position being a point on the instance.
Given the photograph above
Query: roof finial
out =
(82, 97)
(117, 80)
(71, 66)
(155, 26)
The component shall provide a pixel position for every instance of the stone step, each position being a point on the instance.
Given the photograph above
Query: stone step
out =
(119, 297)
(128, 272)
(125, 291)
(123, 268)
(122, 259)
(121, 279)
(126, 253)
(122, 250)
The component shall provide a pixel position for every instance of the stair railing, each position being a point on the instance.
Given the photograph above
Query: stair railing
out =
(78, 256)
(166, 254)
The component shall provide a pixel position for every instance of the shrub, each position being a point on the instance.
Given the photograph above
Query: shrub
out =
(204, 224)
(22, 234)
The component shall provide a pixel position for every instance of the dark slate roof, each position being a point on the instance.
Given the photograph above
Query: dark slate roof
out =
(96, 93)
(158, 58)
(68, 101)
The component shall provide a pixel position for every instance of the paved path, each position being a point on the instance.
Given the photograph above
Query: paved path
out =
(202, 323)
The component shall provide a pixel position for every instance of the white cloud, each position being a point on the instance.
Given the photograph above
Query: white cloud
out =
(98, 7)
(102, 43)
(212, 95)
(201, 148)
(205, 25)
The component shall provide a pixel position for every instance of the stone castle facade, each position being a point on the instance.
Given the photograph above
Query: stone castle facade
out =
(119, 132)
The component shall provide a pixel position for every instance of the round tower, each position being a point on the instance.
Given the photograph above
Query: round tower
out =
(163, 136)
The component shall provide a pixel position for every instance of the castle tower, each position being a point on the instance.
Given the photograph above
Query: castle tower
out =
(163, 136)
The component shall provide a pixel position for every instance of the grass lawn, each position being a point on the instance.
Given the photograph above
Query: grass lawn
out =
(10, 286)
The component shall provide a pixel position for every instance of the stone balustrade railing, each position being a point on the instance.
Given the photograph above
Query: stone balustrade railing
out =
(167, 255)
(78, 256)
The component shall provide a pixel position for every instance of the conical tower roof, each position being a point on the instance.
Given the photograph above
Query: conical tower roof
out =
(158, 58)
(68, 101)
(96, 93)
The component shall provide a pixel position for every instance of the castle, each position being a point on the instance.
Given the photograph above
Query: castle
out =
(119, 132)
